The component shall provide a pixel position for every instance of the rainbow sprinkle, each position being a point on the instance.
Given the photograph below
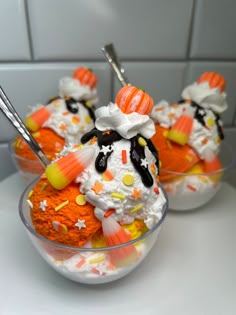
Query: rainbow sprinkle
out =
(63, 204)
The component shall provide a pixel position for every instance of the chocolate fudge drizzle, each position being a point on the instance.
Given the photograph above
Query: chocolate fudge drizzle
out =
(137, 155)
(137, 152)
(219, 126)
(72, 105)
(199, 115)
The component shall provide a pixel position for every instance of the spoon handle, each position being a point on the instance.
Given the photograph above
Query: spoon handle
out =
(12, 115)
(112, 58)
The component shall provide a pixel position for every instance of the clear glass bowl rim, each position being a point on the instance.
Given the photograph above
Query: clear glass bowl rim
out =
(12, 152)
(86, 249)
(229, 165)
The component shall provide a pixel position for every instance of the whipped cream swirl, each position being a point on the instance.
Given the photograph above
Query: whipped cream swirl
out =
(68, 125)
(208, 98)
(127, 125)
(69, 87)
(201, 137)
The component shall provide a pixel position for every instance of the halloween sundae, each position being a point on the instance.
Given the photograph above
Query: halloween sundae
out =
(101, 201)
(189, 136)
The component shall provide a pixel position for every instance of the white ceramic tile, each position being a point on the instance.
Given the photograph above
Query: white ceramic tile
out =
(13, 31)
(214, 29)
(228, 70)
(140, 29)
(31, 84)
(161, 80)
(6, 166)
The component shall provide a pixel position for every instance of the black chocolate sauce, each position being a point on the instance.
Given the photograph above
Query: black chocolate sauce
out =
(200, 117)
(137, 152)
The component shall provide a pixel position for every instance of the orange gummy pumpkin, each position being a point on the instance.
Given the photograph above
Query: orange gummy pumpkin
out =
(214, 79)
(132, 99)
(85, 77)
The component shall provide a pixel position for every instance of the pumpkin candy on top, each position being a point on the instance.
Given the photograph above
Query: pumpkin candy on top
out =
(132, 99)
(215, 80)
(85, 77)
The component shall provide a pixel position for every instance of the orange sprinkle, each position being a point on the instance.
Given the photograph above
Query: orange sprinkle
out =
(75, 119)
(190, 187)
(108, 213)
(97, 187)
(124, 156)
(204, 141)
(174, 105)
(107, 176)
(158, 109)
(65, 113)
(136, 194)
(153, 168)
(80, 263)
(171, 115)
(63, 127)
(94, 270)
(93, 140)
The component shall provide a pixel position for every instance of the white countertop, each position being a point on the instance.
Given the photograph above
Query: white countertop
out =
(191, 269)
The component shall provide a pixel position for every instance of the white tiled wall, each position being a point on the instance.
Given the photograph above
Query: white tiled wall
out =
(163, 45)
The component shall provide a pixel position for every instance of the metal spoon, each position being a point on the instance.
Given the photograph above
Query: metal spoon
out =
(112, 58)
(12, 115)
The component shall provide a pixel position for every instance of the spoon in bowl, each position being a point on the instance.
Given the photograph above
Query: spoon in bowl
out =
(112, 58)
(12, 115)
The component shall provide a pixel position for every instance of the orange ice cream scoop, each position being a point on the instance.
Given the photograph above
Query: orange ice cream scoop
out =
(49, 141)
(62, 216)
(173, 157)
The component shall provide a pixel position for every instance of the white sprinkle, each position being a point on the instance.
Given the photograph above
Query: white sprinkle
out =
(106, 149)
(144, 162)
(80, 224)
(29, 203)
(43, 205)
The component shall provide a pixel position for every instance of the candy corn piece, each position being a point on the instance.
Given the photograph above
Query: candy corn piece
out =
(37, 118)
(212, 164)
(62, 172)
(182, 128)
(114, 234)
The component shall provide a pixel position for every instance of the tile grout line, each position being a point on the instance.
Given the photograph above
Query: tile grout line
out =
(29, 29)
(144, 60)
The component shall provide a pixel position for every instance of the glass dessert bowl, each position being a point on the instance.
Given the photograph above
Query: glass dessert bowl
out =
(91, 264)
(195, 188)
(28, 169)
